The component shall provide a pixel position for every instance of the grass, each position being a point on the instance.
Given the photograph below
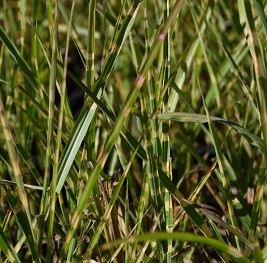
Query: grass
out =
(133, 131)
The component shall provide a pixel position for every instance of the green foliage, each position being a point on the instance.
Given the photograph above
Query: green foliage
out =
(133, 131)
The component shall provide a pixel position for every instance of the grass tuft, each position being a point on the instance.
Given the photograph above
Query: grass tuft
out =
(133, 131)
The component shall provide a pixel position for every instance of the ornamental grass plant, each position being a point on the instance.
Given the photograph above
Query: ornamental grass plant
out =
(133, 131)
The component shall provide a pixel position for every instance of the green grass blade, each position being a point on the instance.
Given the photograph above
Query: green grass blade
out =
(201, 118)
(188, 237)
(74, 144)
(18, 58)
(33, 100)
(262, 13)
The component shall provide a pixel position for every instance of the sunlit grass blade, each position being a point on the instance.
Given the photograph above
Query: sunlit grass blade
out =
(53, 185)
(188, 237)
(74, 144)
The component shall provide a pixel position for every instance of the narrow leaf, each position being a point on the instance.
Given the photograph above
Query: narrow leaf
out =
(201, 118)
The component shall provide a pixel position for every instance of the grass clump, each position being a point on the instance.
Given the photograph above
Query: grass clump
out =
(133, 131)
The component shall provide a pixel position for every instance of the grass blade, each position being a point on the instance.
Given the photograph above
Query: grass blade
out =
(201, 118)
(188, 237)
